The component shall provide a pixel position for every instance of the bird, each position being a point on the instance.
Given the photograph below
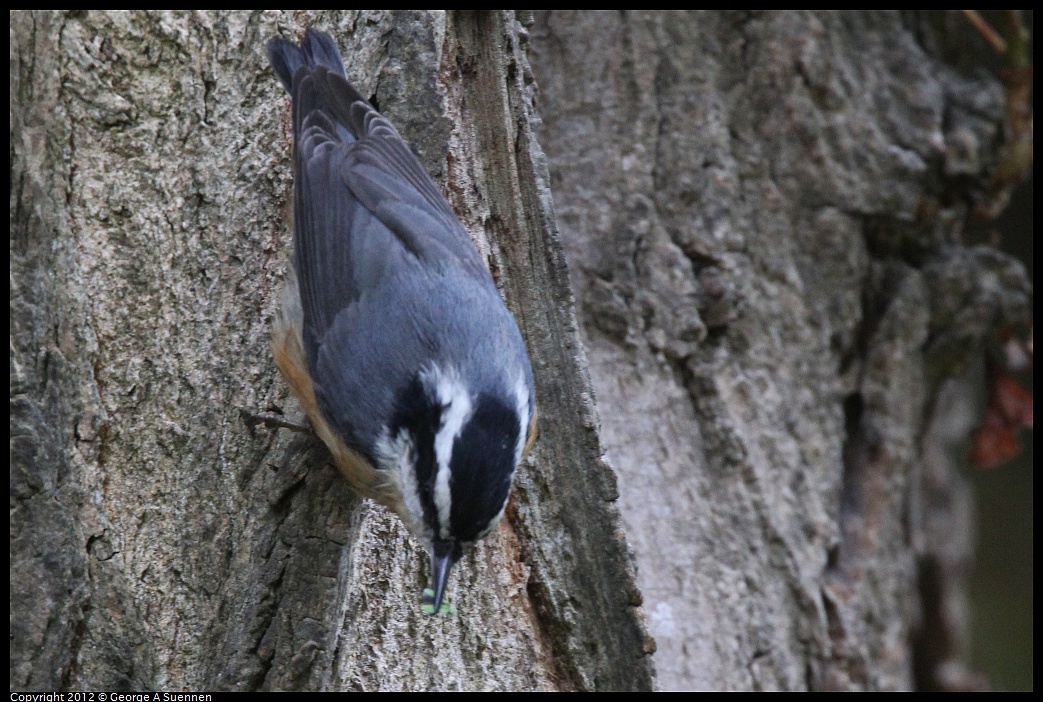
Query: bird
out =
(392, 333)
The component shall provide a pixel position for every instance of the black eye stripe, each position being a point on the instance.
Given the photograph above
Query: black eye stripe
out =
(422, 417)
(482, 466)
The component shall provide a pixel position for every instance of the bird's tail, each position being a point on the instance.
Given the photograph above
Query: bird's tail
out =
(316, 49)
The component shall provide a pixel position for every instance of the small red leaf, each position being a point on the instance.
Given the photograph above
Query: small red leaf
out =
(993, 446)
(1008, 409)
(1013, 401)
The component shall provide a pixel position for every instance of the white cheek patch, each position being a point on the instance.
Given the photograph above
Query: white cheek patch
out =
(453, 396)
(398, 457)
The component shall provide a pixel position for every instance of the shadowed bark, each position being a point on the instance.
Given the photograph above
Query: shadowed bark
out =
(763, 217)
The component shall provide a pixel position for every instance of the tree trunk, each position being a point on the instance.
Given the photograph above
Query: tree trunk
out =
(158, 540)
(761, 215)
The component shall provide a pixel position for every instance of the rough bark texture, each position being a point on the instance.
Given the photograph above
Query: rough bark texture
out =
(160, 542)
(762, 216)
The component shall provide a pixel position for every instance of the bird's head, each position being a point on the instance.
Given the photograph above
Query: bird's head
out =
(454, 448)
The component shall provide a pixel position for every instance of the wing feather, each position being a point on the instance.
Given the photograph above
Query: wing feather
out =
(365, 208)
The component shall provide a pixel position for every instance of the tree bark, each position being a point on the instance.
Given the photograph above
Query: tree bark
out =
(761, 214)
(763, 220)
(161, 542)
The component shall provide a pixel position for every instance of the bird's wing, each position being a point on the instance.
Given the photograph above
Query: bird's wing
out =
(365, 208)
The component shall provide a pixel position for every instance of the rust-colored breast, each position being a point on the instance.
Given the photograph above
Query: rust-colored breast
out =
(288, 350)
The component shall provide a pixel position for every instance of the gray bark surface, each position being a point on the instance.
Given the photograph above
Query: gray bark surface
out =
(161, 542)
(762, 215)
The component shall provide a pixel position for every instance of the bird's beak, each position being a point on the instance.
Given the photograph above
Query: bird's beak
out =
(443, 556)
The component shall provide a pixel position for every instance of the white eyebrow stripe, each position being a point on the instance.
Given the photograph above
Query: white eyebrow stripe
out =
(521, 395)
(456, 410)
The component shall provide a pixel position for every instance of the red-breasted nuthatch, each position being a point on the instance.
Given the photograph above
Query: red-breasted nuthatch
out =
(393, 335)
